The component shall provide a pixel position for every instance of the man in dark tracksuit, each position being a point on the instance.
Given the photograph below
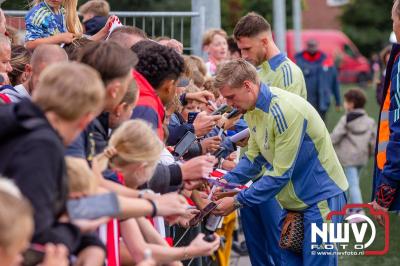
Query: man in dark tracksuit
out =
(321, 78)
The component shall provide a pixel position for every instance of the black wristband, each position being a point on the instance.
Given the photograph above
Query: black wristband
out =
(154, 213)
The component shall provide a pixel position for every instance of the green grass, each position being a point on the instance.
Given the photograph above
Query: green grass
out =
(392, 257)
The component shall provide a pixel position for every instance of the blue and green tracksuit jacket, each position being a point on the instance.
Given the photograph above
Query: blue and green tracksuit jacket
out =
(290, 152)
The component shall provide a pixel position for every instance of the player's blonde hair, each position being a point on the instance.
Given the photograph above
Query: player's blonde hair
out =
(234, 73)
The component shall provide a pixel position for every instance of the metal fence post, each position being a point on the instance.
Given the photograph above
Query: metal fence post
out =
(297, 25)
(280, 24)
(210, 17)
(198, 26)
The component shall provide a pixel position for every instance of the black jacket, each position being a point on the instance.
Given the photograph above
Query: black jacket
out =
(92, 141)
(32, 154)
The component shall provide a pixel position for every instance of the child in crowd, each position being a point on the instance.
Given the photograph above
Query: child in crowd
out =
(16, 224)
(95, 15)
(16, 229)
(60, 111)
(216, 46)
(190, 109)
(55, 22)
(191, 105)
(354, 139)
(84, 182)
(134, 150)
(195, 69)
(81, 180)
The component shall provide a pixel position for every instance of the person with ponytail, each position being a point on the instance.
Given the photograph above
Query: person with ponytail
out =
(55, 22)
(133, 151)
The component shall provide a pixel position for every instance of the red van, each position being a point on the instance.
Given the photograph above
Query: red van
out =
(353, 67)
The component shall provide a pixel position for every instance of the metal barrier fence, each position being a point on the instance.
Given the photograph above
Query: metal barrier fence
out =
(175, 25)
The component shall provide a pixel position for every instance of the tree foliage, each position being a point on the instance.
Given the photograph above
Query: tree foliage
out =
(368, 23)
(232, 10)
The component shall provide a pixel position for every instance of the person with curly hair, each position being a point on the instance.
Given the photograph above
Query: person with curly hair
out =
(157, 72)
(156, 75)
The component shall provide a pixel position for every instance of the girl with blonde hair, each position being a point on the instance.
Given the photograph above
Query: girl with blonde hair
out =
(133, 151)
(55, 22)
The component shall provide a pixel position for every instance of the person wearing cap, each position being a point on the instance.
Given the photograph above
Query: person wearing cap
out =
(321, 77)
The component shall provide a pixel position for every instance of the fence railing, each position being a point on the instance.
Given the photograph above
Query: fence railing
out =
(175, 25)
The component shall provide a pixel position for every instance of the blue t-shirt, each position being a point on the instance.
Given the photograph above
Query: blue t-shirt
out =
(42, 22)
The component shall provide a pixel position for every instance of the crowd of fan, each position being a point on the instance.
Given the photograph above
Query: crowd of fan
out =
(100, 114)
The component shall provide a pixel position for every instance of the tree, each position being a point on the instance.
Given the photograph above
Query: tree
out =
(232, 10)
(368, 23)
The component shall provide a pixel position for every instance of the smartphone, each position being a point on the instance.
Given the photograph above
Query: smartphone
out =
(233, 113)
(219, 153)
(34, 255)
(203, 213)
(192, 116)
(93, 207)
(212, 223)
(221, 110)
(183, 145)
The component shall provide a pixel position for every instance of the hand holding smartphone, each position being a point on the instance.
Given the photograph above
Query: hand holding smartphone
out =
(220, 110)
(184, 144)
(203, 213)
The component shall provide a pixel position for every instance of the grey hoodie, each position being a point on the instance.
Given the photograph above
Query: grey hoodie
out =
(354, 138)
